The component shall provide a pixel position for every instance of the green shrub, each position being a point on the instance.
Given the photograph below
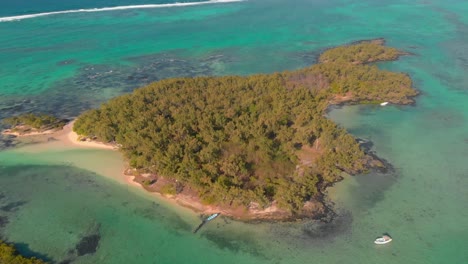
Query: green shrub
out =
(37, 121)
(9, 255)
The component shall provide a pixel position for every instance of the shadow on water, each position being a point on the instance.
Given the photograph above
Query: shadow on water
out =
(236, 242)
(282, 235)
(317, 231)
(153, 212)
(312, 233)
(24, 250)
(371, 187)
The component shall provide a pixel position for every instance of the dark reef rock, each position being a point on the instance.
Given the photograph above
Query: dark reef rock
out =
(88, 244)
(340, 224)
(7, 142)
(3, 221)
(374, 162)
(13, 206)
(365, 144)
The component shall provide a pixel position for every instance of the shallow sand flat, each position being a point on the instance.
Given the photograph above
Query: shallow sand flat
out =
(63, 148)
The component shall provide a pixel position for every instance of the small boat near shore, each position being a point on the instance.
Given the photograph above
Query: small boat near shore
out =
(384, 103)
(383, 240)
(209, 218)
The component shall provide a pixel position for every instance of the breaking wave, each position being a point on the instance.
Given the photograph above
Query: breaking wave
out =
(103, 9)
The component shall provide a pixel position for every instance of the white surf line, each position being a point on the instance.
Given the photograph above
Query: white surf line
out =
(103, 9)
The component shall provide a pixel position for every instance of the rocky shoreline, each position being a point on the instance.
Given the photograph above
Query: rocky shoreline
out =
(318, 208)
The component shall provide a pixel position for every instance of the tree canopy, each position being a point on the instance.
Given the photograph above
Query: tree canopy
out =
(236, 140)
(9, 255)
(361, 53)
(35, 121)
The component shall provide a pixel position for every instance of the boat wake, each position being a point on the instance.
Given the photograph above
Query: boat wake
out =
(103, 9)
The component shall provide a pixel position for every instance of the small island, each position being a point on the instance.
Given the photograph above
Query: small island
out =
(259, 144)
(250, 147)
(33, 124)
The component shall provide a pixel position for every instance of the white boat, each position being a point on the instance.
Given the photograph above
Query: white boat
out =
(211, 217)
(384, 103)
(383, 240)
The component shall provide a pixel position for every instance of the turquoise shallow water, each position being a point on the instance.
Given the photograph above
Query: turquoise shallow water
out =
(67, 63)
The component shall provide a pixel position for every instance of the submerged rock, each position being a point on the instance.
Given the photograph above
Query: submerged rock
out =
(88, 244)
(13, 206)
(3, 221)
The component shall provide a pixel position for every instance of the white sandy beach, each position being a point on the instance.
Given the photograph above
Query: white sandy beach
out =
(68, 136)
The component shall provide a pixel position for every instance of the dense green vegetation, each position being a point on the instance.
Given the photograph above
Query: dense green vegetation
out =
(235, 140)
(345, 70)
(361, 53)
(35, 121)
(8, 255)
